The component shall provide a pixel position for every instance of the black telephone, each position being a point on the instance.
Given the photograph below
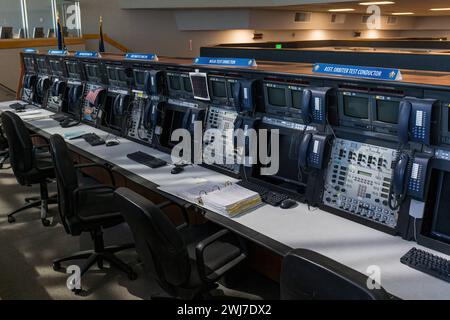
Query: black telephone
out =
(314, 105)
(43, 85)
(243, 92)
(75, 93)
(150, 115)
(119, 103)
(190, 117)
(313, 150)
(153, 80)
(414, 120)
(409, 178)
(57, 88)
(29, 81)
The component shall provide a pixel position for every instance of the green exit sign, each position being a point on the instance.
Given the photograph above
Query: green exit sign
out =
(278, 46)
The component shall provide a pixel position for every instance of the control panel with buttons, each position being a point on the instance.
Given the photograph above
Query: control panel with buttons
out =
(222, 120)
(136, 128)
(359, 180)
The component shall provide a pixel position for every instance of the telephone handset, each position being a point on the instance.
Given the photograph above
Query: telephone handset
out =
(306, 106)
(243, 95)
(57, 88)
(152, 82)
(313, 150)
(151, 114)
(399, 178)
(119, 103)
(414, 120)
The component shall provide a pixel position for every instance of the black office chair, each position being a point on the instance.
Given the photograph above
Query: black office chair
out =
(29, 163)
(86, 207)
(4, 152)
(187, 260)
(307, 275)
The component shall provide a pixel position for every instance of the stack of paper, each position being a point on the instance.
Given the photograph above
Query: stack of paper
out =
(231, 200)
(228, 199)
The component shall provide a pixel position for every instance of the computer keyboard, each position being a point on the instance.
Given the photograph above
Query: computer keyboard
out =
(93, 139)
(428, 263)
(146, 159)
(274, 198)
(267, 196)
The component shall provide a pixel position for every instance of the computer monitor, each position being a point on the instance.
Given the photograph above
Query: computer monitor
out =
(219, 91)
(387, 111)
(92, 72)
(6, 32)
(73, 70)
(199, 81)
(354, 109)
(139, 79)
(57, 67)
(179, 85)
(38, 32)
(440, 226)
(283, 99)
(29, 64)
(289, 177)
(173, 119)
(42, 65)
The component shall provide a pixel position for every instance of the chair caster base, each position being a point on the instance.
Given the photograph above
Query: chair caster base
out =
(11, 219)
(77, 292)
(56, 266)
(132, 276)
(45, 222)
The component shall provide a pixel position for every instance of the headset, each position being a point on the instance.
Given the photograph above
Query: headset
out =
(42, 85)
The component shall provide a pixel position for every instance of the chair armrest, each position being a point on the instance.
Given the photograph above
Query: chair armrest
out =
(218, 273)
(183, 212)
(92, 165)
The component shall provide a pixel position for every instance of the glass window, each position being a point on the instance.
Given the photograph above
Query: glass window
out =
(40, 18)
(10, 17)
(69, 13)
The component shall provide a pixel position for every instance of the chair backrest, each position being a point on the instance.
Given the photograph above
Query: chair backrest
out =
(20, 145)
(307, 275)
(67, 181)
(158, 242)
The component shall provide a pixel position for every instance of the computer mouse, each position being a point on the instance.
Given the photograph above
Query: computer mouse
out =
(288, 204)
(177, 170)
(112, 143)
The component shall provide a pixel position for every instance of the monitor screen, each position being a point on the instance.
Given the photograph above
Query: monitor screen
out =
(187, 84)
(276, 96)
(297, 99)
(174, 82)
(42, 65)
(356, 107)
(122, 75)
(176, 122)
(72, 69)
(288, 175)
(219, 89)
(441, 216)
(56, 67)
(29, 65)
(200, 85)
(92, 72)
(112, 74)
(387, 111)
(139, 77)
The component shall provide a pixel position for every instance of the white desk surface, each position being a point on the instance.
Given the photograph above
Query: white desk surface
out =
(345, 241)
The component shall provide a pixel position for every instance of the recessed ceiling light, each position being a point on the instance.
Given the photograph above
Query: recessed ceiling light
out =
(341, 10)
(402, 13)
(440, 9)
(376, 3)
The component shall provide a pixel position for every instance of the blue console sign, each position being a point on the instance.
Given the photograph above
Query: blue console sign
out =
(358, 72)
(226, 62)
(141, 56)
(86, 54)
(57, 52)
(30, 50)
